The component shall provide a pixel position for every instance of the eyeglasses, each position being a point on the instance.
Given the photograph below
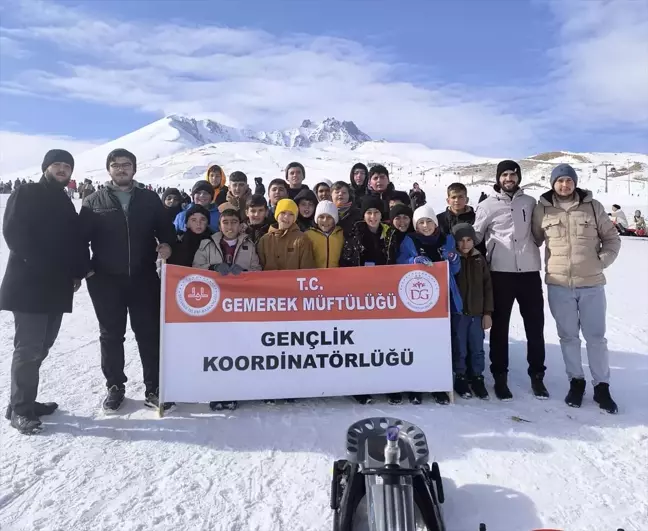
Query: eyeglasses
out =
(124, 166)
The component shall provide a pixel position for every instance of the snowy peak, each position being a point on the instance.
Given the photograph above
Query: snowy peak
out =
(329, 131)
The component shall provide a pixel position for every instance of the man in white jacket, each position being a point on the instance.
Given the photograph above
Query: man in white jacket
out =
(503, 220)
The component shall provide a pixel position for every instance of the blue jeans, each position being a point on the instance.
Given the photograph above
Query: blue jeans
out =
(578, 310)
(467, 340)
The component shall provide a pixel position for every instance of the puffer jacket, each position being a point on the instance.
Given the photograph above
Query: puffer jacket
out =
(285, 249)
(363, 246)
(327, 248)
(505, 224)
(475, 286)
(579, 242)
(209, 253)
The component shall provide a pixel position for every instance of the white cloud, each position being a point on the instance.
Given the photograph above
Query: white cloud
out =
(252, 78)
(19, 151)
(11, 48)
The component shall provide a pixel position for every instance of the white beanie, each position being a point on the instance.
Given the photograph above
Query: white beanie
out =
(425, 211)
(327, 207)
(324, 181)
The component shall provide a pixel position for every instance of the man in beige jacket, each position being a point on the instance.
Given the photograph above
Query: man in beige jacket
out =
(580, 242)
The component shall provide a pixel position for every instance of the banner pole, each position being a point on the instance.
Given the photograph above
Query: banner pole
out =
(163, 270)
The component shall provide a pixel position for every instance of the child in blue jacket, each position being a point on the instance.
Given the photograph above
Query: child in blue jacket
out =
(429, 244)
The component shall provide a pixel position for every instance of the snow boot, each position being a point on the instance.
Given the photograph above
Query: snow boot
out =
(415, 398)
(114, 399)
(40, 409)
(502, 390)
(441, 398)
(394, 399)
(26, 424)
(152, 400)
(461, 386)
(576, 391)
(478, 387)
(603, 399)
(363, 399)
(220, 406)
(538, 386)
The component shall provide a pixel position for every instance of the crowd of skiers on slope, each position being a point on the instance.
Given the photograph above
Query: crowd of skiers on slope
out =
(493, 254)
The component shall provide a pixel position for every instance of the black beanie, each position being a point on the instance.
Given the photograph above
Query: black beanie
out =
(238, 177)
(203, 186)
(57, 155)
(508, 165)
(371, 201)
(399, 210)
(171, 191)
(296, 165)
(119, 152)
(198, 209)
(462, 230)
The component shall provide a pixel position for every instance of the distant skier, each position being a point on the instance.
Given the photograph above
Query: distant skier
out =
(46, 262)
(259, 187)
(417, 196)
(574, 262)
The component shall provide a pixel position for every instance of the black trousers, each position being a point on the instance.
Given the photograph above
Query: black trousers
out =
(526, 289)
(115, 296)
(35, 335)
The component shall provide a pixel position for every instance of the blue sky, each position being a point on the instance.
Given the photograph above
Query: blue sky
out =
(496, 77)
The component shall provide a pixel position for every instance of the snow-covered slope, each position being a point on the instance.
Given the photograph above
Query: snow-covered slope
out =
(267, 468)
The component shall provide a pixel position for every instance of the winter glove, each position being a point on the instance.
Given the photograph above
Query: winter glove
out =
(422, 260)
(221, 268)
(236, 269)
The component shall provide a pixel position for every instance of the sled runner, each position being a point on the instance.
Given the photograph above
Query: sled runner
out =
(387, 476)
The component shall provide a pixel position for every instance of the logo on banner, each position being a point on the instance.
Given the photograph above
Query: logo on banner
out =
(197, 295)
(418, 291)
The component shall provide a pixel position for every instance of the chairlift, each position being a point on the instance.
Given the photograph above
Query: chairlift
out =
(613, 170)
(594, 170)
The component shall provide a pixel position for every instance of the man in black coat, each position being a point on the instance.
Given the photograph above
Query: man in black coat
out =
(128, 229)
(47, 259)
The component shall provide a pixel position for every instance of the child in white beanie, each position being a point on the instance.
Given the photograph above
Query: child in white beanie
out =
(326, 236)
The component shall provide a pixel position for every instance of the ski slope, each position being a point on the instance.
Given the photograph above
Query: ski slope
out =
(267, 468)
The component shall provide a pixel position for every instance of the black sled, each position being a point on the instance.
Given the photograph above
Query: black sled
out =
(386, 482)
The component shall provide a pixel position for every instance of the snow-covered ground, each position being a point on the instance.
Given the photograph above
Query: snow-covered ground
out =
(268, 467)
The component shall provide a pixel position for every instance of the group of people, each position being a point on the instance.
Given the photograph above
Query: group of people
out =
(9, 186)
(123, 229)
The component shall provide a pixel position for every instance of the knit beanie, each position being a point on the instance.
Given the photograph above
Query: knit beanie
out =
(425, 211)
(371, 201)
(296, 165)
(563, 170)
(197, 209)
(171, 191)
(286, 205)
(400, 210)
(327, 207)
(508, 165)
(323, 181)
(202, 186)
(57, 155)
(462, 230)
(238, 177)
(306, 195)
(401, 196)
(119, 152)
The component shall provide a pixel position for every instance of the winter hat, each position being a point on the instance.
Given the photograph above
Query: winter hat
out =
(57, 155)
(202, 186)
(462, 230)
(119, 152)
(397, 195)
(197, 209)
(286, 205)
(306, 195)
(508, 165)
(327, 207)
(323, 181)
(226, 206)
(400, 210)
(425, 211)
(563, 170)
(371, 201)
(296, 165)
(171, 191)
(238, 177)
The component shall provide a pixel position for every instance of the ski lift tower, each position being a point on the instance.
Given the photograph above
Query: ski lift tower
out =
(606, 164)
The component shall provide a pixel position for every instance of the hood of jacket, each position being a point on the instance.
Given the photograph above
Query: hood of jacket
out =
(282, 232)
(221, 186)
(584, 196)
(362, 188)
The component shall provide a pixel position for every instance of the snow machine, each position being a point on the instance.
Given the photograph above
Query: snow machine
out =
(386, 482)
